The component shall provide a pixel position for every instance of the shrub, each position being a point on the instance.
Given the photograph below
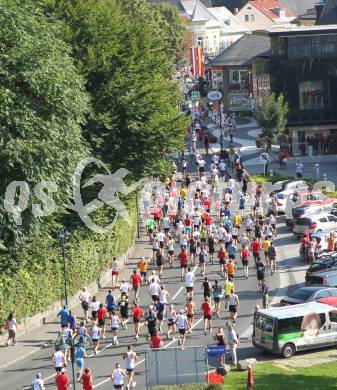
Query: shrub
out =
(38, 279)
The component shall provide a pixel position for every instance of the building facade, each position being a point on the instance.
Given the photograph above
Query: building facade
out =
(303, 66)
(264, 15)
(231, 72)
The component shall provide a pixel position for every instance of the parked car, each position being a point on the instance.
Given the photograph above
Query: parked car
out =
(307, 198)
(313, 223)
(288, 187)
(322, 241)
(322, 278)
(307, 209)
(323, 263)
(308, 294)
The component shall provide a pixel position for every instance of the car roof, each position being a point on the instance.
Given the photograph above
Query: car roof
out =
(314, 288)
(311, 215)
(325, 273)
(281, 312)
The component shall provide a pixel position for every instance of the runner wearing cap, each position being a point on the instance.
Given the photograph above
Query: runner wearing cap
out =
(38, 383)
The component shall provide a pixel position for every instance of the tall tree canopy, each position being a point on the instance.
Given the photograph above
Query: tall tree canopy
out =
(121, 49)
(42, 107)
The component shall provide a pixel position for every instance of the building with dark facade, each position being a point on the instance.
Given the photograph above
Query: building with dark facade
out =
(303, 66)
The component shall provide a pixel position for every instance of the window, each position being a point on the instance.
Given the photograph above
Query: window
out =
(311, 95)
(333, 293)
(331, 218)
(227, 21)
(239, 77)
(264, 323)
(322, 294)
(332, 280)
(246, 18)
(215, 40)
(333, 316)
(313, 46)
(290, 324)
(200, 41)
(252, 18)
(323, 220)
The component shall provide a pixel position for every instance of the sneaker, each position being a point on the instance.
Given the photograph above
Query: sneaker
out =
(137, 337)
(134, 384)
(205, 332)
(116, 342)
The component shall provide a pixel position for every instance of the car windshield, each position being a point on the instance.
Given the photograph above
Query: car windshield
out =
(303, 222)
(264, 323)
(280, 196)
(301, 294)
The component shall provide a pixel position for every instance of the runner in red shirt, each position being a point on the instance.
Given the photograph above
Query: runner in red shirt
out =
(256, 249)
(245, 254)
(156, 341)
(207, 203)
(101, 314)
(207, 311)
(188, 227)
(222, 256)
(62, 381)
(86, 379)
(136, 281)
(183, 262)
(137, 314)
(156, 216)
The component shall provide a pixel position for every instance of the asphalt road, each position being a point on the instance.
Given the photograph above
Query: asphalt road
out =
(290, 273)
(19, 376)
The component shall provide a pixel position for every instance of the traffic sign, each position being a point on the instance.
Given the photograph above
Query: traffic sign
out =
(214, 95)
(264, 158)
(195, 95)
(216, 350)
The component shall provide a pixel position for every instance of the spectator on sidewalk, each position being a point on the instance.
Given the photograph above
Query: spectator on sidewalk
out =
(11, 326)
(233, 341)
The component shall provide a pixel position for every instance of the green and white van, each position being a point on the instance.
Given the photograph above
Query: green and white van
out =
(287, 329)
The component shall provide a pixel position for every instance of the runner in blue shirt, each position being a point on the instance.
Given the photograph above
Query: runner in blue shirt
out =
(79, 357)
(64, 314)
(110, 302)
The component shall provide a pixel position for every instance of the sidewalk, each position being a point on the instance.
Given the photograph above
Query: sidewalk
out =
(45, 336)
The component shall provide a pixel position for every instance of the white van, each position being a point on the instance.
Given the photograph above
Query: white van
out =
(287, 329)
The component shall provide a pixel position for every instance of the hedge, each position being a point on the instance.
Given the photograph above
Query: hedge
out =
(38, 282)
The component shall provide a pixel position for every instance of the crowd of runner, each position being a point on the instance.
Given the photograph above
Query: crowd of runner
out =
(193, 221)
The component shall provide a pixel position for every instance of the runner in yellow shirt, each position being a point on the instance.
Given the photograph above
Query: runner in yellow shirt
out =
(265, 246)
(237, 221)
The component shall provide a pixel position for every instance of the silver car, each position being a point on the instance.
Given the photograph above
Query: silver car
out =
(312, 223)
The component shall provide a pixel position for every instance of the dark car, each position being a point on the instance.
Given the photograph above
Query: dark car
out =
(323, 278)
(308, 294)
(322, 264)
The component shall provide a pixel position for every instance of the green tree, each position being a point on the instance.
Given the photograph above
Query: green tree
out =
(42, 108)
(119, 47)
(272, 117)
(173, 26)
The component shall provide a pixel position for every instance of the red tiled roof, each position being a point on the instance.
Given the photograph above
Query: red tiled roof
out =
(267, 6)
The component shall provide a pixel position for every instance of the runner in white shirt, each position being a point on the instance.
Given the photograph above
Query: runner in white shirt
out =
(166, 224)
(215, 159)
(117, 377)
(189, 282)
(222, 167)
(162, 239)
(59, 361)
(115, 321)
(38, 383)
(182, 325)
(221, 233)
(131, 357)
(154, 290)
(95, 335)
(125, 287)
(153, 276)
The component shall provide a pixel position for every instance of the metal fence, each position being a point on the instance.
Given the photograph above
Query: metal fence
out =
(174, 366)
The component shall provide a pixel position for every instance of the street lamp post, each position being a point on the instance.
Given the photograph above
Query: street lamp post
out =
(221, 127)
(63, 343)
(62, 236)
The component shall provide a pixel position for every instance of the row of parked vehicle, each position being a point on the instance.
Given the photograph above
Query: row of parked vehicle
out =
(307, 318)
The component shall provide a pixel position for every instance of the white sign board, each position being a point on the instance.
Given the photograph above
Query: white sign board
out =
(214, 95)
